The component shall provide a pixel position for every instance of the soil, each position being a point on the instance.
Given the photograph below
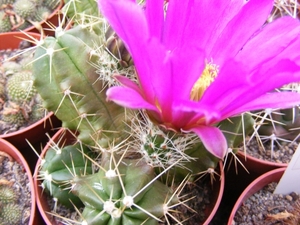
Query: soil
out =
(266, 208)
(281, 152)
(12, 174)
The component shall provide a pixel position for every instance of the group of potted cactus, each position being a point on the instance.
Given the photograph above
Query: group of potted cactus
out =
(116, 161)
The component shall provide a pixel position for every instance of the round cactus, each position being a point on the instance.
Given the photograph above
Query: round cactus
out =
(42, 13)
(51, 4)
(24, 8)
(7, 194)
(5, 25)
(10, 67)
(11, 214)
(20, 86)
(12, 114)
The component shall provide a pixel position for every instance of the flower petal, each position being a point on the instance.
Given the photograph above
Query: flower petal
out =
(128, 21)
(155, 20)
(129, 98)
(234, 87)
(200, 21)
(239, 30)
(280, 100)
(213, 140)
(271, 42)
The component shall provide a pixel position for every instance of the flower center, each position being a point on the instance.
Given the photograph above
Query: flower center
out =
(208, 75)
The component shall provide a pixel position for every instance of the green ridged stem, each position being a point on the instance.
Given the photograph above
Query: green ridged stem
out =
(104, 203)
(59, 167)
(283, 123)
(68, 82)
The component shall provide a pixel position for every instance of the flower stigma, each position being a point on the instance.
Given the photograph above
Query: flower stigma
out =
(208, 75)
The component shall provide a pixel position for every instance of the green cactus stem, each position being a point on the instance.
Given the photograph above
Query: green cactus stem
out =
(162, 148)
(20, 87)
(123, 192)
(284, 124)
(11, 214)
(116, 47)
(24, 8)
(12, 113)
(7, 194)
(236, 129)
(70, 86)
(60, 166)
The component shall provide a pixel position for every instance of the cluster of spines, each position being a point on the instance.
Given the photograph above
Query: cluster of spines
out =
(20, 14)
(20, 101)
(10, 211)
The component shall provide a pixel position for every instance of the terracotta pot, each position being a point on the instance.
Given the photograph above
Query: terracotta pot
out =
(48, 24)
(254, 186)
(36, 132)
(258, 166)
(8, 148)
(65, 137)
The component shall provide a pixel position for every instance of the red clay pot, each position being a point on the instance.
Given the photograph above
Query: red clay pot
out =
(254, 186)
(64, 137)
(11, 150)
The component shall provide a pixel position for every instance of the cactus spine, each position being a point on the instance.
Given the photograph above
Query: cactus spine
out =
(138, 165)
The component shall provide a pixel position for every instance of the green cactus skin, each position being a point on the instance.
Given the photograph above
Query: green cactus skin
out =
(51, 4)
(20, 87)
(70, 86)
(116, 47)
(42, 13)
(10, 67)
(56, 167)
(11, 214)
(118, 192)
(24, 8)
(283, 123)
(236, 129)
(12, 113)
(5, 24)
(7, 194)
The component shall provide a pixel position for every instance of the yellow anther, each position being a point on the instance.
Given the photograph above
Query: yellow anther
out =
(208, 75)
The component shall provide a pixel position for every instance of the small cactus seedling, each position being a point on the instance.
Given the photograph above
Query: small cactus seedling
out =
(20, 104)
(21, 14)
(11, 213)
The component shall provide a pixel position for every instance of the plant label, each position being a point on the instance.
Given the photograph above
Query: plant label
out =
(290, 181)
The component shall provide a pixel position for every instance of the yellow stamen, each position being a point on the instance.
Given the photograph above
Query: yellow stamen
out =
(208, 75)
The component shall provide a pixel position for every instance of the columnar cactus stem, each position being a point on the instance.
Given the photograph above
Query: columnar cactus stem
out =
(70, 86)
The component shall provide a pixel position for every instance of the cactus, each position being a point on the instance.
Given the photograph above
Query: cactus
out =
(20, 103)
(124, 191)
(138, 165)
(20, 87)
(5, 25)
(24, 8)
(11, 212)
(21, 14)
(56, 175)
(282, 123)
(70, 86)
(7, 194)
(12, 114)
